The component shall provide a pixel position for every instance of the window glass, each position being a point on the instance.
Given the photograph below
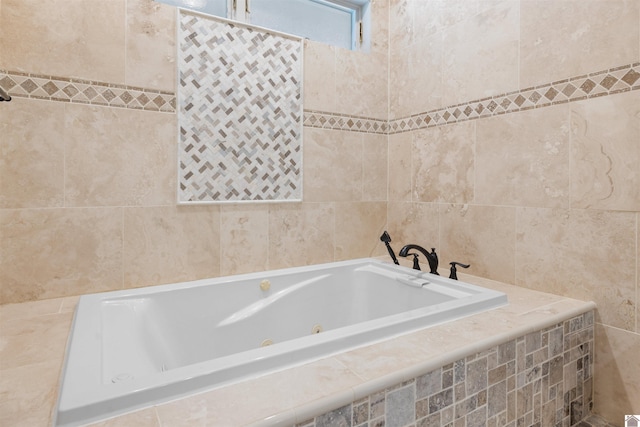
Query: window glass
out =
(312, 19)
(210, 7)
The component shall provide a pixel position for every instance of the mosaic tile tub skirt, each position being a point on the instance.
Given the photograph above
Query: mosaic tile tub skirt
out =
(239, 112)
(542, 379)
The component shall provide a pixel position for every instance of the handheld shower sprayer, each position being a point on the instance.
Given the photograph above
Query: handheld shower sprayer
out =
(386, 239)
(4, 96)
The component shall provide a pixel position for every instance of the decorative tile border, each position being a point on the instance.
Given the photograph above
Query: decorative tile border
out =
(324, 120)
(602, 83)
(609, 82)
(25, 85)
(544, 378)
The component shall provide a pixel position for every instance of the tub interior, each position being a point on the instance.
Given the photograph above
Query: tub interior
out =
(144, 335)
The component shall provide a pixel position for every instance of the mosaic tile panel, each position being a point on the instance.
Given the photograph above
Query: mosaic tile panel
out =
(24, 85)
(239, 112)
(544, 378)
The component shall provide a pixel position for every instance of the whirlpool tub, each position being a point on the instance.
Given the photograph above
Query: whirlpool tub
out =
(130, 349)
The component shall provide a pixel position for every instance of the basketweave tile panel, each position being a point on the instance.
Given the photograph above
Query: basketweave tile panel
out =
(239, 112)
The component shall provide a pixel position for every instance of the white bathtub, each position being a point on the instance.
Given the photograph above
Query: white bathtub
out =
(130, 349)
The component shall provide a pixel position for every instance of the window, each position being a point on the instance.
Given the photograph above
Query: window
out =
(343, 23)
(210, 7)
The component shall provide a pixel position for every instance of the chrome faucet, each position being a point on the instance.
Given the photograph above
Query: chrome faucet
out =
(432, 257)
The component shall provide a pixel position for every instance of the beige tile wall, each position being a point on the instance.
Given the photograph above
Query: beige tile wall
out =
(87, 192)
(545, 198)
(574, 37)
(351, 83)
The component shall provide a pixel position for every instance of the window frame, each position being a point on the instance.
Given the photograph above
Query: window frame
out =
(240, 10)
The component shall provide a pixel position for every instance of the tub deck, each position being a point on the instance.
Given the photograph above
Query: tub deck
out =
(34, 337)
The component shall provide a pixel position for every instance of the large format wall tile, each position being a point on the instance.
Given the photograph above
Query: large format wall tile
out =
(31, 154)
(416, 223)
(575, 37)
(417, 55)
(350, 82)
(415, 72)
(150, 45)
(374, 167)
(433, 16)
(481, 55)
(616, 382)
(170, 244)
(81, 38)
(605, 151)
(401, 26)
(119, 157)
(49, 253)
(355, 223)
(362, 77)
(443, 164)
(300, 234)
(583, 254)
(379, 26)
(319, 76)
(522, 159)
(244, 239)
(412, 20)
(400, 146)
(361, 84)
(332, 165)
(483, 236)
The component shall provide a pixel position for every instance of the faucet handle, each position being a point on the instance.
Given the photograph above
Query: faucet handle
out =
(416, 263)
(433, 262)
(454, 274)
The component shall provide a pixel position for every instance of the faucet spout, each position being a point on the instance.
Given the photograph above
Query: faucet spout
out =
(432, 257)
